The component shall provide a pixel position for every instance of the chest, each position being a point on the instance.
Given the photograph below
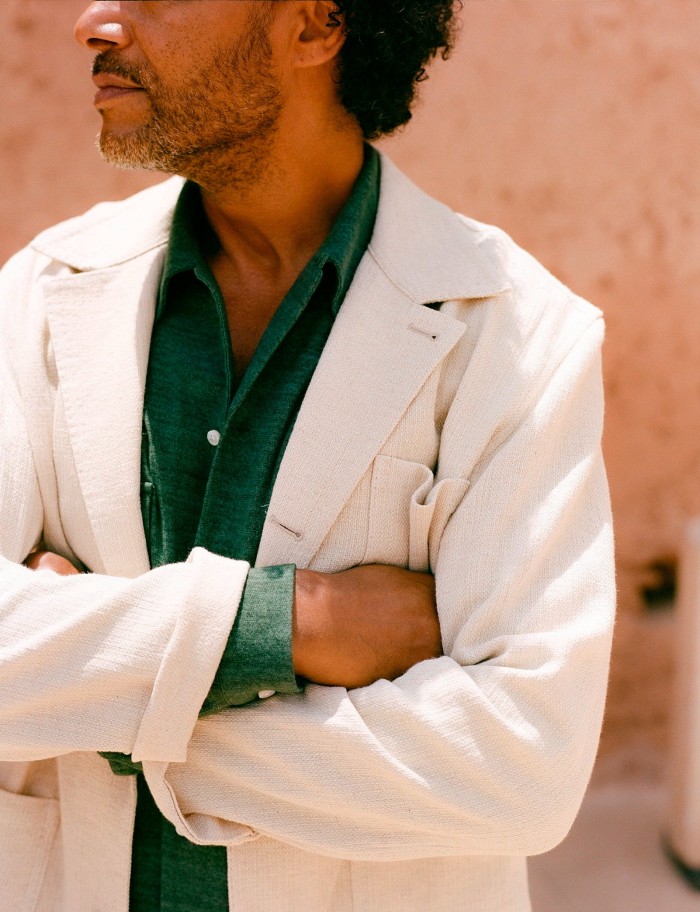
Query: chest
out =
(250, 300)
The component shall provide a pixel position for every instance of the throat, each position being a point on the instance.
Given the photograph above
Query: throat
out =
(248, 317)
(251, 301)
(253, 283)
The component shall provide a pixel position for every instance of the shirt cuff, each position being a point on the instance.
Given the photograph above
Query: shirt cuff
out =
(257, 659)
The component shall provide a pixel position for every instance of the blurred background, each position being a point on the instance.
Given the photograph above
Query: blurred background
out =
(575, 126)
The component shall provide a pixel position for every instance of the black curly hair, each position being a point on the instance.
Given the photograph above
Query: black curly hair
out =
(388, 45)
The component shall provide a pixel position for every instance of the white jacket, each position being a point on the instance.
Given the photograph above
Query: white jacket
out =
(466, 440)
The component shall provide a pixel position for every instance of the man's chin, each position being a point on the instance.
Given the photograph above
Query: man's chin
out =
(129, 153)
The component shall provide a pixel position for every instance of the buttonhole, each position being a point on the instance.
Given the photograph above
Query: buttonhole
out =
(297, 535)
(422, 332)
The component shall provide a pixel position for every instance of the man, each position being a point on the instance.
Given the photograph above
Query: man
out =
(295, 361)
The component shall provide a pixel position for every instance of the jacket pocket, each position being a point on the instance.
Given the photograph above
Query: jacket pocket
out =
(408, 512)
(29, 827)
(428, 519)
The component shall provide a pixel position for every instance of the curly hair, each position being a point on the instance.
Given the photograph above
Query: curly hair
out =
(387, 47)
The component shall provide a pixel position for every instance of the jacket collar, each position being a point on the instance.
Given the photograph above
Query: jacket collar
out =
(113, 233)
(430, 253)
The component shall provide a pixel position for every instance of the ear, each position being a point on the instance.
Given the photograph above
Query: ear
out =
(322, 35)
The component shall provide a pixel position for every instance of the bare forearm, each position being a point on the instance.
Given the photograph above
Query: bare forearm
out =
(353, 628)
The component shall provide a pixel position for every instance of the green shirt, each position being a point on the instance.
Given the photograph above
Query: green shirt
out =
(211, 451)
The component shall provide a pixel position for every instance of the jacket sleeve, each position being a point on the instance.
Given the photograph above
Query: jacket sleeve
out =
(486, 750)
(95, 662)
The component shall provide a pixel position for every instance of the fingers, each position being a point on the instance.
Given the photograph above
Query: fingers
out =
(47, 560)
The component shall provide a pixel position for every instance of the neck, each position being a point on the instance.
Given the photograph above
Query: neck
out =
(280, 220)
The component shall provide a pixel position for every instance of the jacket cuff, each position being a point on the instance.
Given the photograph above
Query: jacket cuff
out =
(257, 660)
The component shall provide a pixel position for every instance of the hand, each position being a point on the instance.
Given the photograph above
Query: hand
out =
(47, 560)
(352, 628)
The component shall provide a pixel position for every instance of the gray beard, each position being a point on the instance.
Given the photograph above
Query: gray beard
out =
(238, 159)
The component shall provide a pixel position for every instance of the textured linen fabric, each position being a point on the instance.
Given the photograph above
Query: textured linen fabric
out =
(194, 493)
(469, 442)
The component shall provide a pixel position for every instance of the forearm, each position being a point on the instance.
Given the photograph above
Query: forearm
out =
(432, 764)
(364, 624)
(345, 629)
(92, 662)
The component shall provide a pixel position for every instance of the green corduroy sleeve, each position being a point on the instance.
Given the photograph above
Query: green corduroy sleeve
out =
(258, 655)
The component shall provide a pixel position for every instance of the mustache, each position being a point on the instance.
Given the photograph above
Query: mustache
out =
(110, 63)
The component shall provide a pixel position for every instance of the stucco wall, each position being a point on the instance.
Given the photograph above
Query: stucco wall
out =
(573, 124)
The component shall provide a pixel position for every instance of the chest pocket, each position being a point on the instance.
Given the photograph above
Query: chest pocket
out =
(408, 512)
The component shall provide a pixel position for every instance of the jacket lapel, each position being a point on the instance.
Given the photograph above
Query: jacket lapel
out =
(380, 352)
(100, 315)
(100, 324)
(383, 347)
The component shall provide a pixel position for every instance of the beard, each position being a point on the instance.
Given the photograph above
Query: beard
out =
(217, 129)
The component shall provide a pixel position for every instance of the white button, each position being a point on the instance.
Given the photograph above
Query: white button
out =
(213, 437)
(264, 694)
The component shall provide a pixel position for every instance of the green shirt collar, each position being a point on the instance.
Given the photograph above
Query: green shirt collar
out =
(192, 239)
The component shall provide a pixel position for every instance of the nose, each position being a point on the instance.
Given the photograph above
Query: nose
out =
(103, 26)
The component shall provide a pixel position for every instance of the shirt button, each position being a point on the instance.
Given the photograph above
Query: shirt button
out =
(264, 694)
(213, 437)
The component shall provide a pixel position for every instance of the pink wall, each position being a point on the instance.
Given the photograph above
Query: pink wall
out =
(573, 124)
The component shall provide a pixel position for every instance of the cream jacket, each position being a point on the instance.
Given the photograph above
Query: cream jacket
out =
(466, 440)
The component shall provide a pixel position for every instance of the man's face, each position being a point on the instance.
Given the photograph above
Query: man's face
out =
(185, 86)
